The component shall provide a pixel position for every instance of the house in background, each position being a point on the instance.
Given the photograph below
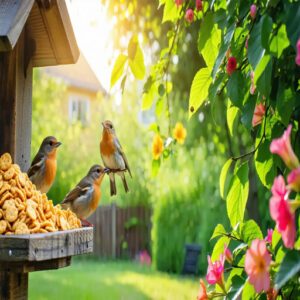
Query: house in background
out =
(83, 88)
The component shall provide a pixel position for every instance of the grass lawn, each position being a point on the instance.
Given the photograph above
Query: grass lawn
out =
(93, 279)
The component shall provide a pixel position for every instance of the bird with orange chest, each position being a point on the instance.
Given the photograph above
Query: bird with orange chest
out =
(42, 171)
(83, 200)
(113, 156)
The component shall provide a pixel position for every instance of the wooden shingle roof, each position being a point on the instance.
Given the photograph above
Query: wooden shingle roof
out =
(46, 22)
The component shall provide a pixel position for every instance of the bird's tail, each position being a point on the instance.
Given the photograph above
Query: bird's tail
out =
(113, 188)
(124, 183)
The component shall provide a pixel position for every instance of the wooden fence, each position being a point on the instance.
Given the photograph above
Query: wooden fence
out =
(121, 232)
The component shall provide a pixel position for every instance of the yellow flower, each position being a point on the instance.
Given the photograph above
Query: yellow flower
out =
(157, 146)
(179, 133)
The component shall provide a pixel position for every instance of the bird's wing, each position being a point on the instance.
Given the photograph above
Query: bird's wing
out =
(120, 150)
(36, 164)
(83, 188)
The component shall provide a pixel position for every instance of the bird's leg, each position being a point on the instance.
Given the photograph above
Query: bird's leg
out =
(86, 223)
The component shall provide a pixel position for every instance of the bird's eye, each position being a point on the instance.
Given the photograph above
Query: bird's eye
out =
(111, 127)
(98, 170)
(51, 143)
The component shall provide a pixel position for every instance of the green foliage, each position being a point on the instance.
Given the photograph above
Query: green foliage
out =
(118, 69)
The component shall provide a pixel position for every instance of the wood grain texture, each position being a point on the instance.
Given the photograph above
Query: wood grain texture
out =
(15, 103)
(13, 16)
(46, 246)
(13, 286)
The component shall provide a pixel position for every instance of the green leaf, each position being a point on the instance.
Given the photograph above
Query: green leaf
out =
(219, 247)
(199, 90)
(155, 167)
(238, 195)
(264, 81)
(223, 176)
(223, 49)
(284, 103)
(279, 42)
(214, 87)
(232, 113)
(248, 110)
(123, 82)
(248, 291)
(118, 69)
(266, 29)
(219, 231)
(136, 58)
(154, 127)
(236, 88)
(264, 163)
(211, 48)
(250, 231)
(289, 267)
(149, 97)
(205, 30)
(260, 68)
(159, 107)
(171, 12)
(255, 48)
(237, 287)
(161, 89)
(291, 20)
(276, 237)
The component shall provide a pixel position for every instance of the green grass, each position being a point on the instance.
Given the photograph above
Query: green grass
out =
(109, 281)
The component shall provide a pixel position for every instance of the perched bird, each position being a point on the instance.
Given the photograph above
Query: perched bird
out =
(84, 198)
(43, 167)
(113, 156)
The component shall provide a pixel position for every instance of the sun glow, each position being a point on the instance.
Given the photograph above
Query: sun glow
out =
(93, 30)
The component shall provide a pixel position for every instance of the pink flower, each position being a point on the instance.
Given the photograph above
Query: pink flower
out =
(231, 65)
(189, 15)
(298, 53)
(215, 271)
(257, 264)
(199, 5)
(202, 295)
(259, 112)
(269, 236)
(282, 147)
(253, 10)
(228, 254)
(294, 180)
(281, 212)
(246, 43)
(179, 2)
(145, 258)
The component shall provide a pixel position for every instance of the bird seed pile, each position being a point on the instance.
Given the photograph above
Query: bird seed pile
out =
(24, 209)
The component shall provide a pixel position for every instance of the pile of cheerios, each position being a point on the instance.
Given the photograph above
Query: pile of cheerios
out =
(24, 209)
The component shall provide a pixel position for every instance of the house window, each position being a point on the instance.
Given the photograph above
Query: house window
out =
(79, 109)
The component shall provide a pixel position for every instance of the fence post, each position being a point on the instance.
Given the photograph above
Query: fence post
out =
(114, 227)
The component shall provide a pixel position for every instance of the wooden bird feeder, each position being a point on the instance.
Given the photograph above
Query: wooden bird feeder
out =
(33, 33)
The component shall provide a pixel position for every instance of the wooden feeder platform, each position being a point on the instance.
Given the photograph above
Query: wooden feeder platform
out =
(21, 254)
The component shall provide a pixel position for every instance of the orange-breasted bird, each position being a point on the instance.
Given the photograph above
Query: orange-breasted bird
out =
(113, 156)
(43, 167)
(83, 200)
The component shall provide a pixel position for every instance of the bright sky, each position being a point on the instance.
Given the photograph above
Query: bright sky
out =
(93, 31)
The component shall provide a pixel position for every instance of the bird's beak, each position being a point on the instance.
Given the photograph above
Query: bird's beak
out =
(106, 170)
(57, 144)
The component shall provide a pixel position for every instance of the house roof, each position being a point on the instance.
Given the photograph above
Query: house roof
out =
(79, 75)
(46, 22)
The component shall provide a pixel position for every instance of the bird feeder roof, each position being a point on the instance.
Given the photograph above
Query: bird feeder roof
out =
(47, 22)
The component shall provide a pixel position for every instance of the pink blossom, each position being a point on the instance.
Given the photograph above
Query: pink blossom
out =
(253, 10)
(228, 254)
(259, 112)
(231, 65)
(189, 15)
(202, 295)
(269, 236)
(298, 53)
(145, 258)
(282, 147)
(215, 271)
(246, 43)
(294, 180)
(257, 264)
(179, 2)
(199, 5)
(281, 212)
